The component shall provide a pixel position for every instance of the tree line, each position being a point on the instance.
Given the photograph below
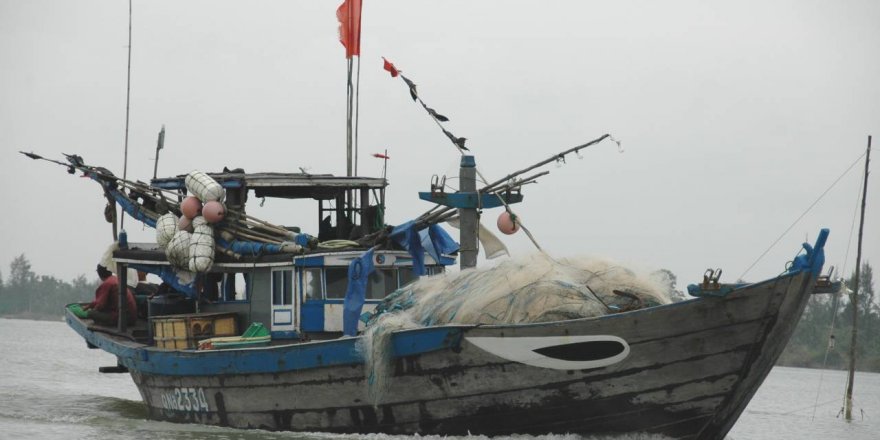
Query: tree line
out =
(28, 295)
(825, 329)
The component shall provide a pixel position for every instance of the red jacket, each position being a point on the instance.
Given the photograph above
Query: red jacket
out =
(107, 299)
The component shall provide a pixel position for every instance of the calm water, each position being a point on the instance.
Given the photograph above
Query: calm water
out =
(50, 388)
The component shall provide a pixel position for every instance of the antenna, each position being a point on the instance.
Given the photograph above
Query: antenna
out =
(160, 144)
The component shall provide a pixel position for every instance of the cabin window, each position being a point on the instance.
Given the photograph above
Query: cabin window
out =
(211, 287)
(337, 282)
(235, 286)
(312, 286)
(405, 275)
(382, 282)
(282, 287)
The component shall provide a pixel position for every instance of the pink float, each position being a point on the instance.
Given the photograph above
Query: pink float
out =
(190, 207)
(506, 224)
(185, 224)
(214, 212)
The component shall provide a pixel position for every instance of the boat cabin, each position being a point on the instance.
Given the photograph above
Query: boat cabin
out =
(297, 295)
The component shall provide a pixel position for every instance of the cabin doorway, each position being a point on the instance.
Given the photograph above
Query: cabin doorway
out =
(284, 316)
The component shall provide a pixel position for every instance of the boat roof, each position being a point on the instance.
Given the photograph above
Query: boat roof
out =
(283, 185)
(151, 254)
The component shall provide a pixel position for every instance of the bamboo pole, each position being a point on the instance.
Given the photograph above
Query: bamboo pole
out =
(546, 161)
(248, 233)
(855, 296)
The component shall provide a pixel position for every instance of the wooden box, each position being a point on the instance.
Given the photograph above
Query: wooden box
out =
(184, 331)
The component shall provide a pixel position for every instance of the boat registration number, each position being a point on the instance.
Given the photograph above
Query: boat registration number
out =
(185, 399)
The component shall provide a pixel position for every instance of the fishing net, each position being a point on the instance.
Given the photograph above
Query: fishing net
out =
(375, 346)
(201, 246)
(166, 226)
(177, 251)
(203, 186)
(531, 289)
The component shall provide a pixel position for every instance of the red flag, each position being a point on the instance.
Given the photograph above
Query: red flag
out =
(390, 68)
(381, 156)
(349, 16)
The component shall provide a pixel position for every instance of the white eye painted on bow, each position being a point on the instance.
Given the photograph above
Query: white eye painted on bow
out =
(557, 352)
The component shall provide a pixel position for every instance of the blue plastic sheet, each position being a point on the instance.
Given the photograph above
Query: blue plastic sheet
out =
(248, 247)
(441, 243)
(359, 271)
(814, 257)
(408, 238)
(433, 240)
(131, 208)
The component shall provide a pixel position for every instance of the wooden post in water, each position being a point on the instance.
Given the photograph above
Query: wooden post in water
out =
(855, 296)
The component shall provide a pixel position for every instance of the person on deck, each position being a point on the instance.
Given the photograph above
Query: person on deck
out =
(104, 309)
(143, 293)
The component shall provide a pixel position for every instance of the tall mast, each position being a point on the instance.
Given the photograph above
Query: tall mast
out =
(349, 107)
(855, 296)
(127, 102)
(349, 16)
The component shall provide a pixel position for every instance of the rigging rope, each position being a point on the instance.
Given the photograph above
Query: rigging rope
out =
(778, 239)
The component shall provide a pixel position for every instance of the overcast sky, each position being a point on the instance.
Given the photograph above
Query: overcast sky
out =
(734, 116)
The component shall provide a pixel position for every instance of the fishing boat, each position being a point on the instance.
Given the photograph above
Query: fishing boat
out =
(684, 369)
(262, 325)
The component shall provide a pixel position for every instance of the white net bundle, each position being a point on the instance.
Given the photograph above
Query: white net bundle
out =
(177, 251)
(201, 246)
(530, 289)
(203, 186)
(166, 226)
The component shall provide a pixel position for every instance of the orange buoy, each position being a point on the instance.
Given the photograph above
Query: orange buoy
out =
(214, 212)
(506, 224)
(190, 207)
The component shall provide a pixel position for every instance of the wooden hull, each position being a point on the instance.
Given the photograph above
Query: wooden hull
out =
(690, 370)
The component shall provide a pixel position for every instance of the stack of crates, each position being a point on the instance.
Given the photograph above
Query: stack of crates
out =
(184, 331)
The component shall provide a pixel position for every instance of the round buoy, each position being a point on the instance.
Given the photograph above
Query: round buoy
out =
(190, 207)
(506, 224)
(214, 212)
(185, 224)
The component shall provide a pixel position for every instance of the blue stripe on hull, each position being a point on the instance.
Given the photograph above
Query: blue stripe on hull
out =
(269, 360)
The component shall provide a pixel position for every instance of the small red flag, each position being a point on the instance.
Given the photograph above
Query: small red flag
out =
(381, 156)
(349, 16)
(390, 68)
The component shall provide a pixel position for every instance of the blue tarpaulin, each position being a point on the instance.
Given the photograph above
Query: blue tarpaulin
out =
(408, 237)
(433, 240)
(359, 271)
(437, 242)
(248, 247)
(814, 257)
(132, 208)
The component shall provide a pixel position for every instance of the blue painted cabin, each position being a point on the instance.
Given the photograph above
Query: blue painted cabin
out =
(298, 295)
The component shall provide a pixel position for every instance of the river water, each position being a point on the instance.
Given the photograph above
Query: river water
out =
(50, 388)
